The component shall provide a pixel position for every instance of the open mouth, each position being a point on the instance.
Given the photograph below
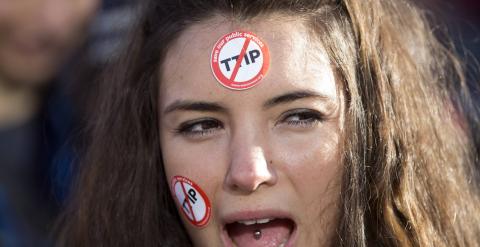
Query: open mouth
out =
(271, 232)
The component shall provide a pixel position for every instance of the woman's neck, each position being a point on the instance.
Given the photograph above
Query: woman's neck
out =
(18, 103)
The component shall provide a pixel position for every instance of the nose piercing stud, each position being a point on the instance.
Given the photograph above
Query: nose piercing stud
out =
(257, 234)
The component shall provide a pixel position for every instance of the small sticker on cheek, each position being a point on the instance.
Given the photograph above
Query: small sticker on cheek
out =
(191, 200)
(240, 60)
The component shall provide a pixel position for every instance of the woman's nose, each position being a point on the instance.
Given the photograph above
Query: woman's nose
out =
(249, 168)
(56, 15)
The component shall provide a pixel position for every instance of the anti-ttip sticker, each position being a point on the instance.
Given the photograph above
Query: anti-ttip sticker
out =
(240, 60)
(192, 201)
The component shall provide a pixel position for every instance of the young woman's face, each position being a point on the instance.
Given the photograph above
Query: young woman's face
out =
(267, 155)
(37, 35)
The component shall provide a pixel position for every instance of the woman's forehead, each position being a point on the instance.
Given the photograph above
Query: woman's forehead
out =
(297, 61)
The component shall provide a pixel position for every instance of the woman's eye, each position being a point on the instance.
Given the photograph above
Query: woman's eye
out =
(303, 118)
(199, 127)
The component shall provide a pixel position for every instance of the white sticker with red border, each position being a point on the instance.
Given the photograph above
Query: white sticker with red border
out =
(192, 201)
(240, 60)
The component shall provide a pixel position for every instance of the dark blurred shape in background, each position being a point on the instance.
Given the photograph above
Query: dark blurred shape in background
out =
(462, 19)
(49, 50)
(462, 23)
(36, 39)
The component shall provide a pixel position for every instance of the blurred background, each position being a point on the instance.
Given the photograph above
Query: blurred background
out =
(461, 19)
(51, 52)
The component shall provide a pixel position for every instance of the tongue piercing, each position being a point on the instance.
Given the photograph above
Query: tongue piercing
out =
(257, 234)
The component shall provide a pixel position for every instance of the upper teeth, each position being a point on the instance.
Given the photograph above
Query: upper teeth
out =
(257, 221)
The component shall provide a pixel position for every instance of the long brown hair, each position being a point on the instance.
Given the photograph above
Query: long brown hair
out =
(408, 151)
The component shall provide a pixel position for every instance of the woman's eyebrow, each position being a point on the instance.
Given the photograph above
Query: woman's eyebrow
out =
(292, 96)
(186, 105)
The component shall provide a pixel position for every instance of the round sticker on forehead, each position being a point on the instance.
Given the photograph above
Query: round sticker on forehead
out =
(240, 60)
(192, 201)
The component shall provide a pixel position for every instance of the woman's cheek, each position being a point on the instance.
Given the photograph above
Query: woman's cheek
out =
(194, 174)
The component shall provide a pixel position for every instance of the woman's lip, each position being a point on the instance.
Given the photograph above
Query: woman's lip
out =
(35, 44)
(256, 214)
(227, 241)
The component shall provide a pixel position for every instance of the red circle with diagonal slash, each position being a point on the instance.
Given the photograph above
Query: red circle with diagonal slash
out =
(192, 201)
(240, 60)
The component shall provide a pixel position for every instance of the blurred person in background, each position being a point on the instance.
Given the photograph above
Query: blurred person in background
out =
(37, 38)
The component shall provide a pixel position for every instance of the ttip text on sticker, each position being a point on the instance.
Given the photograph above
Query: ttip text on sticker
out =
(248, 58)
